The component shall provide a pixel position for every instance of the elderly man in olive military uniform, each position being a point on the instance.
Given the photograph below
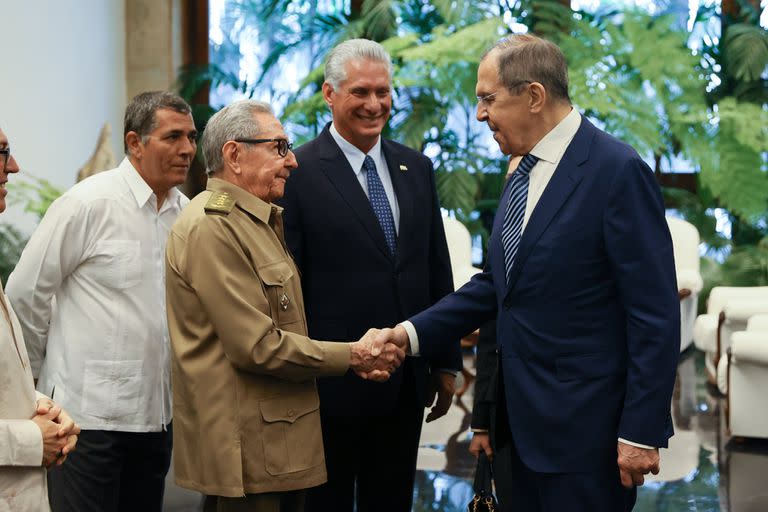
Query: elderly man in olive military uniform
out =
(246, 420)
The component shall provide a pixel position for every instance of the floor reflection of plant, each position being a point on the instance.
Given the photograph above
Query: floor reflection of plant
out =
(435, 490)
(697, 492)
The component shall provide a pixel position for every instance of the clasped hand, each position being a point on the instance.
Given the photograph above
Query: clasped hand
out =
(373, 358)
(59, 432)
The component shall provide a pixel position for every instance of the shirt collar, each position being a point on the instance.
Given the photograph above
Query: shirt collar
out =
(554, 143)
(142, 192)
(355, 157)
(244, 199)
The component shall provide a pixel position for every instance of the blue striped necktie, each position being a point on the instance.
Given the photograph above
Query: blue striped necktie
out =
(380, 204)
(513, 216)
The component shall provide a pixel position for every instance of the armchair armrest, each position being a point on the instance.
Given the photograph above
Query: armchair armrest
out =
(722, 374)
(758, 323)
(740, 310)
(705, 332)
(690, 279)
(750, 346)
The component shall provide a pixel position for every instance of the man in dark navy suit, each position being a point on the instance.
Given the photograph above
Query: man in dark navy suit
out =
(363, 222)
(581, 282)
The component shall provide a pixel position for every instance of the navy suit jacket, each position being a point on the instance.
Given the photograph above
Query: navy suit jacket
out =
(349, 278)
(589, 324)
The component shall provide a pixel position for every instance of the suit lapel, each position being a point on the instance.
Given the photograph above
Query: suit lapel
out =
(338, 171)
(403, 192)
(564, 181)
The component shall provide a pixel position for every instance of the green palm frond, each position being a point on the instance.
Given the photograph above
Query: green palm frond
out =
(746, 51)
(737, 177)
(463, 45)
(379, 19)
(456, 190)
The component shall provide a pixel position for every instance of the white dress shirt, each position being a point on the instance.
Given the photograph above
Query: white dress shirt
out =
(549, 150)
(355, 157)
(90, 294)
(22, 477)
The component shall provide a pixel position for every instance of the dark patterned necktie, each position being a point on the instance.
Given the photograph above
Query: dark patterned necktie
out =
(380, 204)
(515, 212)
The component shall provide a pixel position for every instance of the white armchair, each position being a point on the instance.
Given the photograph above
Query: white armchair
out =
(460, 251)
(742, 375)
(728, 309)
(685, 243)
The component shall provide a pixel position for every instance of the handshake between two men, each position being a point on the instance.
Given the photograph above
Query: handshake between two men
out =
(379, 353)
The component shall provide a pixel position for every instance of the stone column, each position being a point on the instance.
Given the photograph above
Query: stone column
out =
(153, 44)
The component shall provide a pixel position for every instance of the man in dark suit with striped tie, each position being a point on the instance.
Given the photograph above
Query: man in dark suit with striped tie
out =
(363, 222)
(581, 282)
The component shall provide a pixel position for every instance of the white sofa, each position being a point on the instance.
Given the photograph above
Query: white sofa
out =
(728, 309)
(685, 244)
(742, 375)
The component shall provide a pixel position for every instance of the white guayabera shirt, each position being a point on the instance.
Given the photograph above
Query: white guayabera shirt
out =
(22, 477)
(89, 291)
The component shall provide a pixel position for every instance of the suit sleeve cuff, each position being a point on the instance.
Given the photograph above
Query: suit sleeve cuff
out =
(479, 430)
(25, 443)
(638, 445)
(413, 338)
(449, 371)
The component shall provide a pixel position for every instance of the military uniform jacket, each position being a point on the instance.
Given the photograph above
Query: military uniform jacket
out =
(245, 404)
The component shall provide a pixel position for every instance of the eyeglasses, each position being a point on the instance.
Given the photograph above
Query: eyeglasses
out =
(282, 144)
(486, 99)
(6, 155)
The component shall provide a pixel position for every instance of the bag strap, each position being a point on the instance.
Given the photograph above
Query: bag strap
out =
(483, 476)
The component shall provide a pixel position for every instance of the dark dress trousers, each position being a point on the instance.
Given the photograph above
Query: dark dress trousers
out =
(352, 283)
(587, 327)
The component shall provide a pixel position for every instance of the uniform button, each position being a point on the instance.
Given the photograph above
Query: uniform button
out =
(507, 304)
(291, 413)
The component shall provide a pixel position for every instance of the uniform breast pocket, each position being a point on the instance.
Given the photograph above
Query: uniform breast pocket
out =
(276, 278)
(117, 263)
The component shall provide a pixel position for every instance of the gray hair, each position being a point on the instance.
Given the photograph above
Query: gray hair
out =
(235, 121)
(140, 112)
(353, 49)
(524, 57)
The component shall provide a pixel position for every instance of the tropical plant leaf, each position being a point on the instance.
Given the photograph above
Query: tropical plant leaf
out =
(456, 190)
(746, 51)
(463, 45)
(737, 178)
(12, 243)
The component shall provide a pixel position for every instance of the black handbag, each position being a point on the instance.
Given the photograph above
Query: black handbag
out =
(484, 500)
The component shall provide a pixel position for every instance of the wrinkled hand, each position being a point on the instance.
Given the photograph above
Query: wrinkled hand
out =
(481, 441)
(441, 385)
(68, 430)
(374, 361)
(53, 445)
(634, 462)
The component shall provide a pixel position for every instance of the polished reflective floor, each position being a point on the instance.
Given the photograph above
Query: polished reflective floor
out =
(703, 469)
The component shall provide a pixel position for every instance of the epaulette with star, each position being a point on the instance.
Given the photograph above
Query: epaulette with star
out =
(220, 202)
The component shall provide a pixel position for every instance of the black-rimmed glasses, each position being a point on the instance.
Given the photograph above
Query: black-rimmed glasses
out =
(282, 144)
(6, 155)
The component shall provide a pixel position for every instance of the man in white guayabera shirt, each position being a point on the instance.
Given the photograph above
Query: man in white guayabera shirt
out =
(101, 347)
(34, 434)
